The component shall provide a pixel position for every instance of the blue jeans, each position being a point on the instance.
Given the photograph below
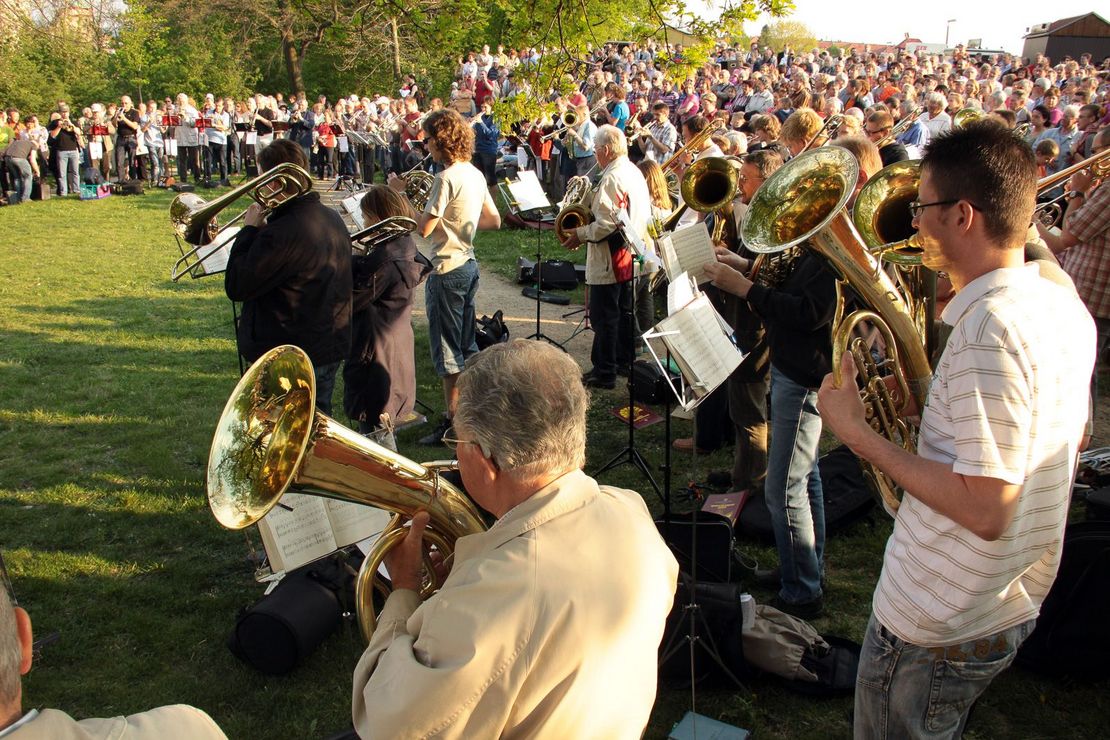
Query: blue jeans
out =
(69, 172)
(449, 301)
(22, 177)
(325, 386)
(793, 488)
(907, 691)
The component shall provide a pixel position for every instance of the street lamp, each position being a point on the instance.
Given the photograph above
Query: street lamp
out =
(946, 30)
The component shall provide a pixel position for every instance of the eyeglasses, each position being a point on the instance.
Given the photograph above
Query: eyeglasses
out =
(917, 207)
(452, 443)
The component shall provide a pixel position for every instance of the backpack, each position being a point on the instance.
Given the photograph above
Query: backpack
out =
(491, 330)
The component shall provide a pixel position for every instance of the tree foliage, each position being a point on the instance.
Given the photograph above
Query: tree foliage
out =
(784, 34)
(332, 47)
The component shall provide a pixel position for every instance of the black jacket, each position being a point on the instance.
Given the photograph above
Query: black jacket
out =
(892, 153)
(380, 373)
(797, 316)
(293, 276)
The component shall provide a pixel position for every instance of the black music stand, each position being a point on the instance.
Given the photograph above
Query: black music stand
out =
(526, 196)
(690, 392)
(630, 455)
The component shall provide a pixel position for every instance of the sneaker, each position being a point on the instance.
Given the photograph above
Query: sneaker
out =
(805, 610)
(686, 444)
(435, 437)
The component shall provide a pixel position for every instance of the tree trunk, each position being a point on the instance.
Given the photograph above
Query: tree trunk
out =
(293, 61)
(396, 50)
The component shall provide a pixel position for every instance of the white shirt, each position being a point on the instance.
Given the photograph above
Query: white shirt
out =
(1009, 401)
(936, 125)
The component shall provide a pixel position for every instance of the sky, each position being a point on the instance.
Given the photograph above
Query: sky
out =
(1001, 25)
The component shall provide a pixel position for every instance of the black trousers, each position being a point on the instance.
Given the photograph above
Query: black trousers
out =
(217, 160)
(124, 153)
(487, 163)
(188, 160)
(613, 324)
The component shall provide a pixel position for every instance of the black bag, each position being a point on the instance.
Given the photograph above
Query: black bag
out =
(649, 385)
(719, 604)
(1070, 637)
(40, 190)
(1098, 504)
(491, 330)
(282, 629)
(128, 187)
(847, 498)
(555, 274)
(715, 540)
(91, 176)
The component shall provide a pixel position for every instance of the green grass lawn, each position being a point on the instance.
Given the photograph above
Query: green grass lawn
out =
(111, 381)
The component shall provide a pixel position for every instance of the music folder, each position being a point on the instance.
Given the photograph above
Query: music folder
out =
(280, 126)
(699, 341)
(171, 120)
(241, 127)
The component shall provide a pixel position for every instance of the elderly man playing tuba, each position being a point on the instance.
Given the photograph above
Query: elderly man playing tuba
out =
(549, 623)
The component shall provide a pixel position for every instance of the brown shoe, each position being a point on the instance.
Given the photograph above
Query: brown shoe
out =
(686, 444)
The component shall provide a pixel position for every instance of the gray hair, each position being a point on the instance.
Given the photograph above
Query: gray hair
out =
(524, 403)
(612, 138)
(11, 652)
(936, 98)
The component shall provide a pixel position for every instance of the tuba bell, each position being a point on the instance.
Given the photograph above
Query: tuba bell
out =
(270, 439)
(805, 203)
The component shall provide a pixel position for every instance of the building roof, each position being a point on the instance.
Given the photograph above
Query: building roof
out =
(1055, 27)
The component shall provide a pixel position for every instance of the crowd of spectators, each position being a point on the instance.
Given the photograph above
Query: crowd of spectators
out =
(1059, 105)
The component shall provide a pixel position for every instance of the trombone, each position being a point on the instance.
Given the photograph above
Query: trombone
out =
(386, 230)
(1049, 212)
(570, 120)
(829, 130)
(900, 128)
(194, 219)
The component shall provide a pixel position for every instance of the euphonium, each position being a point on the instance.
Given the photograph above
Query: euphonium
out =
(270, 439)
(805, 201)
(418, 184)
(882, 217)
(576, 207)
(194, 219)
(707, 185)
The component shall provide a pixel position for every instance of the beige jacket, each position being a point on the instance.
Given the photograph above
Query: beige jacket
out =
(548, 627)
(163, 723)
(621, 186)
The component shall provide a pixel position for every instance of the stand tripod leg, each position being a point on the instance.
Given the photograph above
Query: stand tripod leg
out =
(630, 455)
(538, 272)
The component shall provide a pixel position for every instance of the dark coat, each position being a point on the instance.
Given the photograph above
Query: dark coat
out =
(293, 276)
(380, 373)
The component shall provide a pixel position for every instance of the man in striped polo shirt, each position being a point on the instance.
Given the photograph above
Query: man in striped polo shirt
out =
(977, 539)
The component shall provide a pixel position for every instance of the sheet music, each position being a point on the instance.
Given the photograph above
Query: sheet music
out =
(680, 292)
(252, 138)
(344, 146)
(214, 257)
(293, 538)
(96, 150)
(632, 237)
(351, 204)
(351, 522)
(688, 249)
(171, 147)
(527, 192)
(701, 347)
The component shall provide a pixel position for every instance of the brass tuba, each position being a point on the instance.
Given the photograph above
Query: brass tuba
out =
(805, 201)
(965, 116)
(195, 219)
(270, 439)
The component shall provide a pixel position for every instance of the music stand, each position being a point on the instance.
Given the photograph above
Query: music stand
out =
(704, 364)
(361, 139)
(522, 196)
(630, 455)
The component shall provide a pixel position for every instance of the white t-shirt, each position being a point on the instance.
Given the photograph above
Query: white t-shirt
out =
(1009, 401)
(456, 198)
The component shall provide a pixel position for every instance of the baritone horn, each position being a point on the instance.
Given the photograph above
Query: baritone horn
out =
(270, 440)
(805, 204)
(195, 219)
